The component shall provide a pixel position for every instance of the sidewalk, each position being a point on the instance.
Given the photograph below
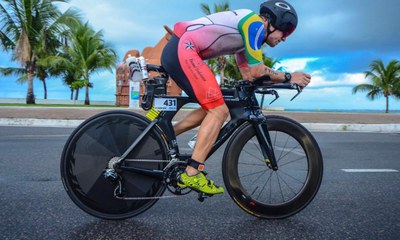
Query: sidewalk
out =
(314, 121)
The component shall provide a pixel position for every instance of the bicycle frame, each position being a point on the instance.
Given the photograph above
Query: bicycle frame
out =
(243, 107)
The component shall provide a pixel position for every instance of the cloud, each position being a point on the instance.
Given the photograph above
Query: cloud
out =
(319, 80)
(104, 81)
(343, 27)
(124, 26)
(295, 64)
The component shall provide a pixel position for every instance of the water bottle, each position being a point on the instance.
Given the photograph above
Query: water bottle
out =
(192, 142)
(134, 68)
(143, 67)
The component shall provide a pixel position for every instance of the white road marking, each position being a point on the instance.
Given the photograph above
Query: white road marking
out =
(34, 136)
(368, 170)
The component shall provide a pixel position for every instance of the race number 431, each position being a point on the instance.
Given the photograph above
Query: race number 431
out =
(165, 104)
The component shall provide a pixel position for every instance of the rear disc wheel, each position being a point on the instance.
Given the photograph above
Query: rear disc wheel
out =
(87, 154)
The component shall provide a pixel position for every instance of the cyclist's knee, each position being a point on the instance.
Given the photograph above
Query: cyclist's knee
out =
(221, 112)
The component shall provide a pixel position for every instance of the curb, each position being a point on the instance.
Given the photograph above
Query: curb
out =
(33, 122)
(346, 127)
(323, 127)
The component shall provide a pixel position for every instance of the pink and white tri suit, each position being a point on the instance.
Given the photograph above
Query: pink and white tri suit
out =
(239, 32)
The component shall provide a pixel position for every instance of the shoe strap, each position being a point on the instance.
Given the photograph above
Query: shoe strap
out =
(195, 164)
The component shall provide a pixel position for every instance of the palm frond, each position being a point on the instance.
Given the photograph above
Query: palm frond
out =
(12, 71)
(205, 8)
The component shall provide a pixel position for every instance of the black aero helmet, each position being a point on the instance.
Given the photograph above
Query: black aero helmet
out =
(280, 14)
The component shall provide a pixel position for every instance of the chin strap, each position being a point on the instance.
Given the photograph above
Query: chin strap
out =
(268, 28)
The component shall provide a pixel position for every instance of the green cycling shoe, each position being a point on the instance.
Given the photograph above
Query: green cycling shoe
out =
(199, 183)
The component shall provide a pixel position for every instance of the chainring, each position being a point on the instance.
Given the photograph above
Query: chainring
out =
(172, 176)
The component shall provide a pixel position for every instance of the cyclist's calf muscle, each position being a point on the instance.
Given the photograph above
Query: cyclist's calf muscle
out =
(192, 120)
(208, 134)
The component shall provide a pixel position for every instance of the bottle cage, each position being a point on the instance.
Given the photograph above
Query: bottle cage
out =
(155, 86)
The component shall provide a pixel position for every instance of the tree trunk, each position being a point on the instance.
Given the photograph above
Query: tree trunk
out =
(30, 97)
(387, 104)
(222, 78)
(77, 94)
(221, 66)
(72, 94)
(87, 102)
(44, 88)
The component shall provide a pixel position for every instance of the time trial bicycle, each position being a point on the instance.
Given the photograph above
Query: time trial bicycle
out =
(118, 164)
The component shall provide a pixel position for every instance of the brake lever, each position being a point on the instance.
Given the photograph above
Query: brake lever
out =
(299, 90)
(275, 93)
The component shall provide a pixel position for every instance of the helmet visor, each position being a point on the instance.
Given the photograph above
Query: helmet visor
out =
(288, 29)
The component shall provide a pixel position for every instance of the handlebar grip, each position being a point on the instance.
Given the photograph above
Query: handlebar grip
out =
(281, 86)
(263, 80)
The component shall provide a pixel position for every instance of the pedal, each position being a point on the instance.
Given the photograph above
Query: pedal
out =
(203, 196)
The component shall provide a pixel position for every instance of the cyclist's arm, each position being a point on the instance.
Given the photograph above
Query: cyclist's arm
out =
(252, 72)
(250, 60)
(262, 70)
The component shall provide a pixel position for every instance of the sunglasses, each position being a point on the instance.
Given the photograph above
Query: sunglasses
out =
(288, 30)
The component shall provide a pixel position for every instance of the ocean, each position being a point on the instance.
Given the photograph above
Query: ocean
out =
(344, 110)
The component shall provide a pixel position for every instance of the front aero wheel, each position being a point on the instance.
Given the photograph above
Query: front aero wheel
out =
(87, 153)
(258, 189)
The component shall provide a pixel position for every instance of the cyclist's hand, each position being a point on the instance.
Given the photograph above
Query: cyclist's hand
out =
(301, 79)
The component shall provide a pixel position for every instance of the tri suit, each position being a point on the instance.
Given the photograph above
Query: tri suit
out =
(238, 32)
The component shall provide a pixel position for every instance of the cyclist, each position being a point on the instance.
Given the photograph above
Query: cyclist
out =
(240, 32)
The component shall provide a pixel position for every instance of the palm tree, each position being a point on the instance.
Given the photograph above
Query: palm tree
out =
(270, 62)
(42, 72)
(232, 72)
(26, 27)
(15, 71)
(385, 81)
(86, 54)
(49, 46)
(217, 65)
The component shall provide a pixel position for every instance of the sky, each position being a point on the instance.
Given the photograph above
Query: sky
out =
(335, 42)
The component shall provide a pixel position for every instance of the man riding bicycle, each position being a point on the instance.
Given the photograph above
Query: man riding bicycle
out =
(240, 32)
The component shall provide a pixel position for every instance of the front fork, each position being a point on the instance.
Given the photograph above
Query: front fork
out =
(265, 141)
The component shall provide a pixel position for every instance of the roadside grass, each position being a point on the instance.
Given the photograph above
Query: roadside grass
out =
(189, 107)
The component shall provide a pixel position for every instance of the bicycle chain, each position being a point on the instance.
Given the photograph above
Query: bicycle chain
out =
(144, 198)
(148, 160)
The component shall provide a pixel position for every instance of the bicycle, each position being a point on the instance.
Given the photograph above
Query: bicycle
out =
(118, 164)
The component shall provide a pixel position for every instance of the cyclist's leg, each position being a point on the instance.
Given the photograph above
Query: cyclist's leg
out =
(207, 92)
(170, 62)
(198, 81)
(207, 134)
(204, 86)
(192, 120)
